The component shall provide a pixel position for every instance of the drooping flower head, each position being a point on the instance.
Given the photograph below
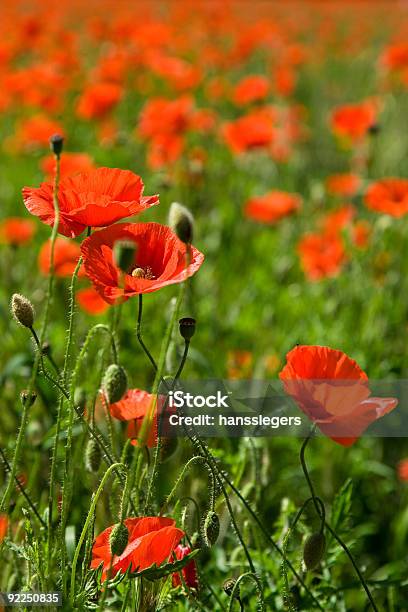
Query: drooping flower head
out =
(91, 199)
(160, 260)
(152, 540)
(333, 391)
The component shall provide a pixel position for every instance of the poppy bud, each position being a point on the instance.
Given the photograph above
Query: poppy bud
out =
(187, 328)
(118, 539)
(22, 310)
(313, 550)
(28, 399)
(46, 349)
(80, 399)
(56, 144)
(228, 587)
(211, 528)
(93, 456)
(114, 383)
(181, 222)
(124, 252)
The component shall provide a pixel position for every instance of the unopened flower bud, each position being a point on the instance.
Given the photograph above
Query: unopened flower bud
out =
(56, 144)
(23, 310)
(28, 398)
(187, 327)
(80, 399)
(228, 587)
(93, 456)
(211, 528)
(124, 253)
(114, 383)
(118, 539)
(46, 349)
(313, 550)
(181, 222)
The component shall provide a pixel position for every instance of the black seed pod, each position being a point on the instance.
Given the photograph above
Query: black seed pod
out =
(56, 144)
(313, 550)
(187, 327)
(93, 456)
(211, 528)
(118, 539)
(114, 383)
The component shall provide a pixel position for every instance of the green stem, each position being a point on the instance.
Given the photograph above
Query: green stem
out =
(7, 495)
(235, 591)
(330, 529)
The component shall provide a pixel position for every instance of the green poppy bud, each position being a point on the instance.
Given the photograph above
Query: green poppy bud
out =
(22, 310)
(114, 383)
(211, 528)
(118, 539)
(181, 222)
(313, 550)
(93, 455)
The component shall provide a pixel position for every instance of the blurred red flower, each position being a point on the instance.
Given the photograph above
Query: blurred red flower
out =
(133, 408)
(322, 255)
(66, 256)
(152, 540)
(250, 89)
(92, 199)
(337, 220)
(402, 471)
(91, 302)
(160, 260)
(333, 391)
(189, 572)
(389, 196)
(361, 233)
(98, 99)
(16, 231)
(252, 131)
(343, 185)
(395, 57)
(4, 522)
(36, 132)
(71, 163)
(272, 206)
(352, 121)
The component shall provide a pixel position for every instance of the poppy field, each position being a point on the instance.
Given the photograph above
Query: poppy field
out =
(196, 192)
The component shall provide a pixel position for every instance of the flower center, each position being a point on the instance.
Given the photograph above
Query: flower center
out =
(145, 272)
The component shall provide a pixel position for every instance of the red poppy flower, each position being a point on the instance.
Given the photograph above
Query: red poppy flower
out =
(98, 100)
(336, 221)
(361, 234)
(152, 540)
(284, 80)
(252, 131)
(91, 302)
(272, 206)
(343, 185)
(16, 231)
(133, 408)
(92, 199)
(71, 163)
(352, 121)
(3, 526)
(402, 471)
(333, 391)
(189, 572)
(66, 255)
(250, 89)
(160, 260)
(322, 255)
(389, 196)
(395, 57)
